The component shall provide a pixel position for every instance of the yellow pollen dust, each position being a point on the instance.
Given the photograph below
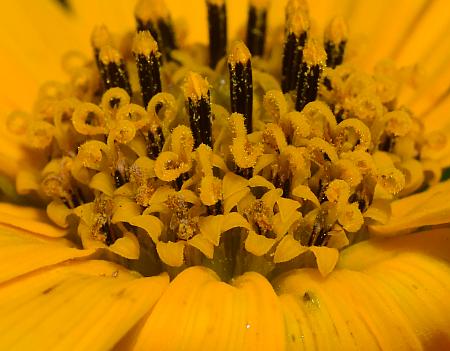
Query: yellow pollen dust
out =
(298, 22)
(144, 44)
(314, 53)
(239, 53)
(195, 86)
(110, 55)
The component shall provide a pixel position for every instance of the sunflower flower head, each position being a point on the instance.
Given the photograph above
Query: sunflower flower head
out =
(287, 154)
(259, 162)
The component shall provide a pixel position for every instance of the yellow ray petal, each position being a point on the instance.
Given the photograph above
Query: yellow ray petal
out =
(32, 50)
(420, 288)
(423, 36)
(85, 306)
(362, 255)
(350, 307)
(390, 31)
(31, 219)
(431, 207)
(22, 252)
(212, 315)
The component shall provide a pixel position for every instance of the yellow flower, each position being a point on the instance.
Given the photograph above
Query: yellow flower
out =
(291, 206)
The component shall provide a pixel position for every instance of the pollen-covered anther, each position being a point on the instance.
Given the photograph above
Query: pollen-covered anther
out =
(100, 37)
(146, 52)
(154, 16)
(198, 105)
(335, 41)
(147, 11)
(241, 82)
(112, 69)
(309, 75)
(297, 27)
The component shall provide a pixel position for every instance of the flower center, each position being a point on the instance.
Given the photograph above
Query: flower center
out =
(230, 161)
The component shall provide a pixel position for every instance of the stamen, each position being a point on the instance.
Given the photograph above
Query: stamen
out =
(244, 153)
(146, 52)
(155, 142)
(217, 23)
(100, 37)
(198, 105)
(112, 69)
(144, 14)
(102, 228)
(261, 217)
(320, 229)
(314, 58)
(153, 16)
(335, 41)
(256, 26)
(183, 223)
(296, 33)
(241, 86)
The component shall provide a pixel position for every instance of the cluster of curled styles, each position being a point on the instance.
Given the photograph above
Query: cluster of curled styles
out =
(171, 155)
